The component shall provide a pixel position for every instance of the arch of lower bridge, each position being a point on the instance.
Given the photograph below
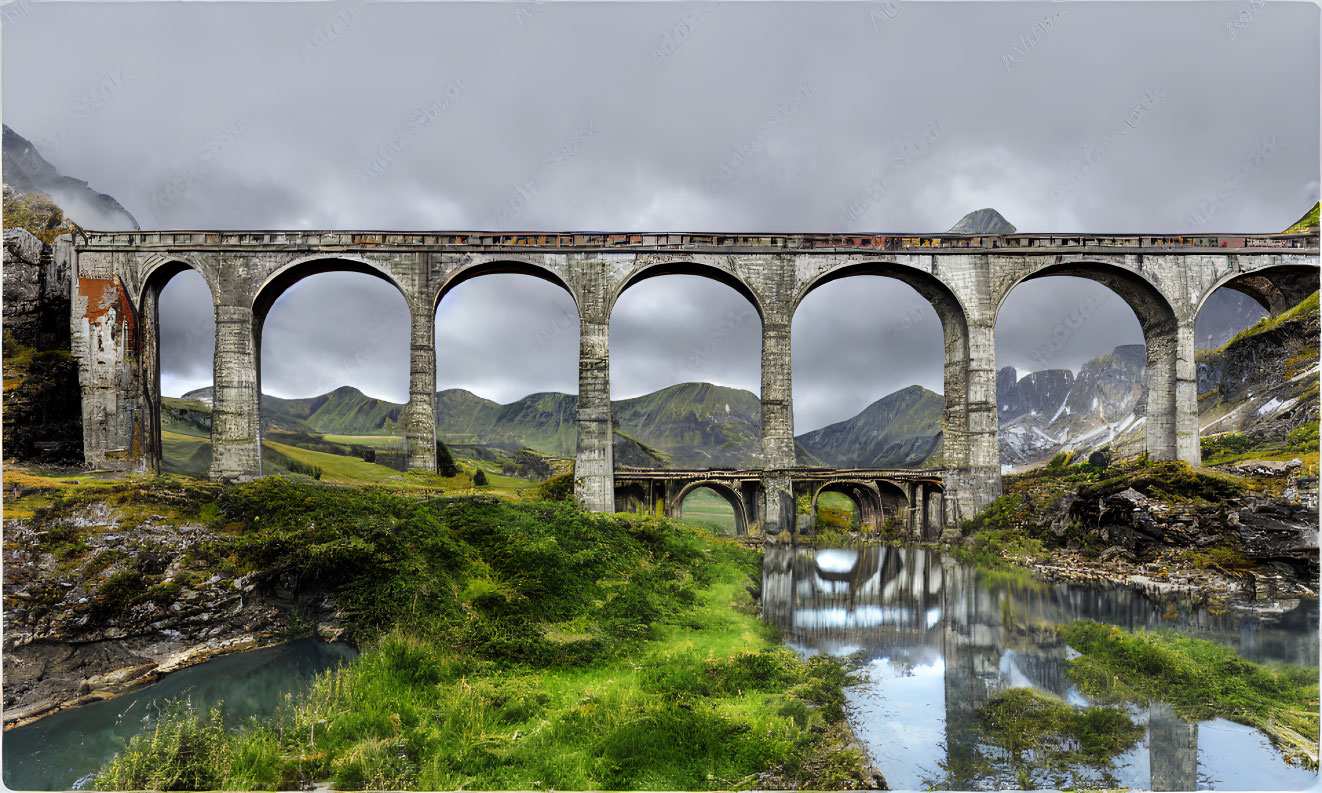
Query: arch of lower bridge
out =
(722, 489)
(633, 497)
(875, 499)
(865, 495)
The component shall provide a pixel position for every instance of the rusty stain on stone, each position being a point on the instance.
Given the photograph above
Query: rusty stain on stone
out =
(102, 295)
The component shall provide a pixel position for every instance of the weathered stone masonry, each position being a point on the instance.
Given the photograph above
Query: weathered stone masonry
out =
(118, 277)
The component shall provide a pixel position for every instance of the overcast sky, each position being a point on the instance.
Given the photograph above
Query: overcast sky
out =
(881, 116)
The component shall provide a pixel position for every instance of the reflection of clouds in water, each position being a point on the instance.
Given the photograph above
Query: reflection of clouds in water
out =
(1235, 757)
(1010, 673)
(861, 617)
(837, 560)
(899, 717)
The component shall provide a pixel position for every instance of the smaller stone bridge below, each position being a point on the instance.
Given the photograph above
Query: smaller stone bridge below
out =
(913, 499)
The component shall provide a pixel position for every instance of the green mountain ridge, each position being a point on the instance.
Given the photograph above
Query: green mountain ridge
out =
(900, 430)
(689, 425)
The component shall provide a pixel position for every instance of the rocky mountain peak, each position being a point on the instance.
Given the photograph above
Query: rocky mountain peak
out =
(982, 221)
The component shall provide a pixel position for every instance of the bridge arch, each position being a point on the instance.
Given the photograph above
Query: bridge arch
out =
(948, 307)
(687, 266)
(155, 278)
(159, 270)
(1166, 437)
(866, 498)
(1276, 288)
(278, 281)
(631, 497)
(725, 491)
(501, 266)
(956, 429)
(1153, 309)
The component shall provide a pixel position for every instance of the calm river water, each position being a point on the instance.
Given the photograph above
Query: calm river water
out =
(937, 639)
(64, 749)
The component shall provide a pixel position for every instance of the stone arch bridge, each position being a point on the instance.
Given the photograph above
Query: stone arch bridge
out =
(118, 276)
(914, 499)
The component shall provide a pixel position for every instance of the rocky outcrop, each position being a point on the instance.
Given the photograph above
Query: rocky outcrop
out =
(36, 293)
(42, 398)
(125, 600)
(1266, 538)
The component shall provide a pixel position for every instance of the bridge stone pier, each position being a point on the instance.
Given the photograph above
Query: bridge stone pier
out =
(118, 276)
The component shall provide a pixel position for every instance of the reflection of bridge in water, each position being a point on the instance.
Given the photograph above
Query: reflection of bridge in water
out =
(986, 633)
(914, 499)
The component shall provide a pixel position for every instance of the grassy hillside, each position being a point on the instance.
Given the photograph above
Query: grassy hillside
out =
(691, 424)
(899, 430)
(1306, 307)
(345, 410)
(543, 421)
(696, 424)
(1309, 222)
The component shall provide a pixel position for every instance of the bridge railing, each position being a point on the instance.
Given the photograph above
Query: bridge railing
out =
(478, 240)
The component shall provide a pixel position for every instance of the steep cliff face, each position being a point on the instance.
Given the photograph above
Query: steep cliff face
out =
(1037, 392)
(42, 401)
(1264, 382)
(1054, 410)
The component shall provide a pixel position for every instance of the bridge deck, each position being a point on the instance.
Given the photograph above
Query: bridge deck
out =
(472, 241)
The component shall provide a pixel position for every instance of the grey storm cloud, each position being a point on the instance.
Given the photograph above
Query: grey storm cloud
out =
(784, 116)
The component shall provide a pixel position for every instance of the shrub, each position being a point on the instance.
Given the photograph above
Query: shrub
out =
(479, 478)
(445, 465)
(183, 752)
(558, 488)
(117, 591)
(35, 212)
(1228, 444)
(1303, 439)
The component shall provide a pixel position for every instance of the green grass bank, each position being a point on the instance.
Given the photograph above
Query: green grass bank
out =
(1200, 680)
(506, 645)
